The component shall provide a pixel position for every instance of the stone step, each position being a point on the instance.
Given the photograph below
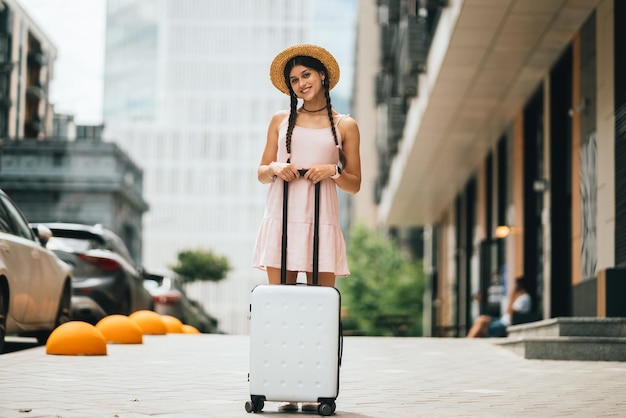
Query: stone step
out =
(568, 348)
(570, 327)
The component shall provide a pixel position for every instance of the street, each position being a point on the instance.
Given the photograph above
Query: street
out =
(180, 375)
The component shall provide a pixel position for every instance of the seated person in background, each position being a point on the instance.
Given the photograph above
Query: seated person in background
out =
(487, 326)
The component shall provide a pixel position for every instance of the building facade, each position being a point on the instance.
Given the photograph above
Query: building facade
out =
(498, 132)
(26, 55)
(187, 94)
(53, 169)
(86, 181)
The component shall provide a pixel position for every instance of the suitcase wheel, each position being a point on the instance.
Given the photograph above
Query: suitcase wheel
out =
(326, 408)
(255, 405)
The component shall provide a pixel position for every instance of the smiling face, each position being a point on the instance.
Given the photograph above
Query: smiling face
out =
(306, 82)
(303, 76)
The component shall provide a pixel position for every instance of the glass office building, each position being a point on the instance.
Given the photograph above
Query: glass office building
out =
(187, 95)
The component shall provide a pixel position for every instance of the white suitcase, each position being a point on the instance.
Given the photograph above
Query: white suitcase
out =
(295, 340)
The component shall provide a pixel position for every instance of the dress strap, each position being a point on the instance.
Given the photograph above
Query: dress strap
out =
(340, 118)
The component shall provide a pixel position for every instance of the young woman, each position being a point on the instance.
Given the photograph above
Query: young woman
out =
(519, 301)
(310, 135)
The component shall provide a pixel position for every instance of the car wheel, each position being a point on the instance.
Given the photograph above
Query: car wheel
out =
(65, 306)
(4, 309)
(125, 305)
(63, 313)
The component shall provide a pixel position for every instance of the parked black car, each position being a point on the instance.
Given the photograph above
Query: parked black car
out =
(103, 269)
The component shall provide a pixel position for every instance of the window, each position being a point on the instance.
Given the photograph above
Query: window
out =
(5, 223)
(17, 223)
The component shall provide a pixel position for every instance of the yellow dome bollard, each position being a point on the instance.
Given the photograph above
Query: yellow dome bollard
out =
(188, 329)
(120, 329)
(150, 322)
(76, 338)
(172, 324)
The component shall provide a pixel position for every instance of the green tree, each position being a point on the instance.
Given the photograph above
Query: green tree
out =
(383, 295)
(194, 265)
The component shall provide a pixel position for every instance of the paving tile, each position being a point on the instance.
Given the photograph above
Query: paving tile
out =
(205, 375)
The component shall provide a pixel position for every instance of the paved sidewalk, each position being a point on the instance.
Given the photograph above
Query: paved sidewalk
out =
(180, 375)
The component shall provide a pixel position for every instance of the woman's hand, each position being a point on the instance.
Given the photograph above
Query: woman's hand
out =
(320, 172)
(285, 171)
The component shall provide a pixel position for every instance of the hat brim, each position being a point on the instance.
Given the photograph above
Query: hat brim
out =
(278, 64)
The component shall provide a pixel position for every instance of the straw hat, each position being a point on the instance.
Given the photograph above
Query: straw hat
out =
(325, 57)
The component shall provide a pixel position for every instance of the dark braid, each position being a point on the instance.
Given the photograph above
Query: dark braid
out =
(318, 66)
(329, 108)
(293, 113)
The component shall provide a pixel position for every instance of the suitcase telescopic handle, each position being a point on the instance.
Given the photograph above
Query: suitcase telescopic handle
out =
(316, 238)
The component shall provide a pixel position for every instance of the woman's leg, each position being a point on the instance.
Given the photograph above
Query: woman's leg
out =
(323, 279)
(273, 276)
(496, 328)
(479, 329)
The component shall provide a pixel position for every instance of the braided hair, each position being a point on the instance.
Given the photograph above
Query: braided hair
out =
(317, 65)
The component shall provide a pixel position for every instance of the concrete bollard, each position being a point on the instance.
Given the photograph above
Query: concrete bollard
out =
(173, 325)
(188, 329)
(76, 338)
(150, 322)
(120, 329)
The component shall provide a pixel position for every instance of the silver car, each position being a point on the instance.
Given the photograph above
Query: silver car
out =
(170, 298)
(35, 285)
